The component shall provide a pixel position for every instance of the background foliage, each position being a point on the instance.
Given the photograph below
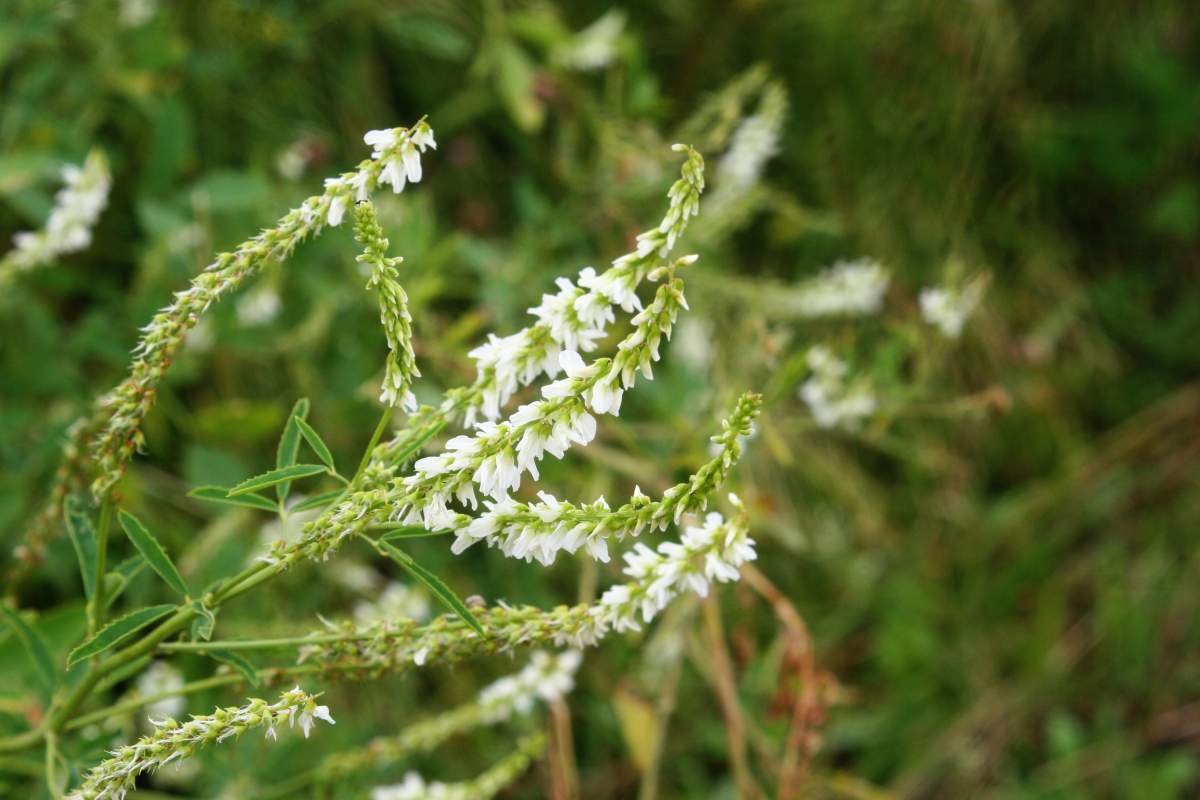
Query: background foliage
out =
(999, 572)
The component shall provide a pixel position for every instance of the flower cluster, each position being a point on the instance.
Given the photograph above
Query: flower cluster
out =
(833, 402)
(541, 530)
(495, 458)
(395, 160)
(848, 287)
(948, 308)
(68, 229)
(712, 552)
(174, 740)
(482, 787)
(577, 315)
(401, 368)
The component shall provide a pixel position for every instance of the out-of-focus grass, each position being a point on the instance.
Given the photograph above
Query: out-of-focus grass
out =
(1004, 587)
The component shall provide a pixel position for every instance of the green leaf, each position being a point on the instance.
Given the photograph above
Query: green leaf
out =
(35, 648)
(117, 631)
(116, 581)
(152, 551)
(289, 444)
(83, 538)
(219, 494)
(203, 624)
(435, 584)
(275, 476)
(237, 662)
(411, 532)
(314, 441)
(320, 501)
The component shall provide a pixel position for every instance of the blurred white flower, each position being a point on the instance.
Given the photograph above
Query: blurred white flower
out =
(948, 308)
(258, 307)
(595, 46)
(834, 403)
(158, 678)
(397, 601)
(848, 287)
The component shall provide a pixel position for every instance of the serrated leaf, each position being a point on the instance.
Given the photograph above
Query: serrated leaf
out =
(117, 631)
(83, 539)
(238, 663)
(152, 551)
(315, 442)
(320, 501)
(203, 624)
(116, 581)
(411, 532)
(276, 476)
(435, 584)
(35, 648)
(289, 444)
(220, 494)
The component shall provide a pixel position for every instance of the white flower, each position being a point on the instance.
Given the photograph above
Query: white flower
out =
(593, 47)
(160, 678)
(397, 601)
(848, 287)
(68, 229)
(259, 307)
(832, 402)
(754, 142)
(948, 309)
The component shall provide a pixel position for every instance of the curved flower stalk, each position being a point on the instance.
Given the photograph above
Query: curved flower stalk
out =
(576, 317)
(712, 552)
(547, 677)
(395, 160)
(846, 288)
(401, 368)
(68, 229)
(174, 740)
(483, 787)
(496, 457)
(542, 530)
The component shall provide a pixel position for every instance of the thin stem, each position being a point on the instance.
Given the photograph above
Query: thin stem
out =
(96, 612)
(258, 644)
(385, 419)
(51, 771)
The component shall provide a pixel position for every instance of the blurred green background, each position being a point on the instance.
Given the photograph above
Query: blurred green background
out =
(999, 571)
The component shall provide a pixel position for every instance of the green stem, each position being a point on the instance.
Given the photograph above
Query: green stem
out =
(96, 612)
(385, 419)
(258, 644)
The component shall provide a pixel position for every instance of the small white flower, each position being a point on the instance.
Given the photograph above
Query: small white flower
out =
(948, 309)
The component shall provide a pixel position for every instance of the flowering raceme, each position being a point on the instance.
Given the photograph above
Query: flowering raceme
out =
(469, 489)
